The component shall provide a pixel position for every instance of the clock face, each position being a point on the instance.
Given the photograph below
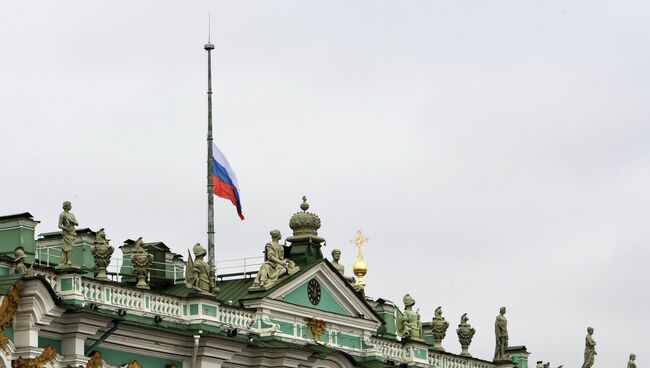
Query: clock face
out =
(313, 291)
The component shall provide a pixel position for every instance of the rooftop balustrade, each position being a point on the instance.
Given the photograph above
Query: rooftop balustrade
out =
(118, 268)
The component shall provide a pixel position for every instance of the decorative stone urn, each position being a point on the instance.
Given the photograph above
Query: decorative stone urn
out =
(439, 326)
(465, 334)
(141, 260)
(102, 253)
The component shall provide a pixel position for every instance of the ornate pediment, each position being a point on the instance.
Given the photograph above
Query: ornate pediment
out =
(319, 290)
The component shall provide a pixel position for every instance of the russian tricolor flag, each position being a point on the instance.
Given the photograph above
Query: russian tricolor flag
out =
(224, 179)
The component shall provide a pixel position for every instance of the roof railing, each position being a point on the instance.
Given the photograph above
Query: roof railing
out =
(116, 270)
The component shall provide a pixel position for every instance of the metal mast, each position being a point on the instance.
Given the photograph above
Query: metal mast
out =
(209, 47)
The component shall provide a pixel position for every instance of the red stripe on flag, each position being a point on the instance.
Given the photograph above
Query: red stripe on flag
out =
(226, 191)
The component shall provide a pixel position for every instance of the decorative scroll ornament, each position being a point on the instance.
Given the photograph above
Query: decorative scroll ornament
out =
(48, 355)
(134, 364)
(317, 328)
(8, 310)
(95, 361)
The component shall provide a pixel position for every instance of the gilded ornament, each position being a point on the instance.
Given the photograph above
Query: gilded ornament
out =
(8, 310)
(48, 355)
(317, 328)
(95, 361)
(360, 268)
(134, 364)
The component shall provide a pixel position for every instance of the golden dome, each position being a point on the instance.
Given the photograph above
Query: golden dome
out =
(360, 268)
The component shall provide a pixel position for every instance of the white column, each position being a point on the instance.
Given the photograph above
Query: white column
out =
(72, 349)
(26, 336)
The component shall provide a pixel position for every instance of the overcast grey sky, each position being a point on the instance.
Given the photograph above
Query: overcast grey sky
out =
(494, 152)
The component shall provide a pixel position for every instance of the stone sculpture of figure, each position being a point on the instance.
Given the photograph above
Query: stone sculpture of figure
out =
(19, 258)
(631, 363)
(439, 326)
(336, 257)
(501, 333)
(275, 265)
(465, 334)
(102, 253)
(198, 271)
(67, 223)
(590, 349)
(409, 324)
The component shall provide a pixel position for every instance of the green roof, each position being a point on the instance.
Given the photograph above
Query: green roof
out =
(232, 292)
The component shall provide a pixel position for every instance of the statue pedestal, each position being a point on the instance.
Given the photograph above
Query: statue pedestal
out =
(142, 282)
(61, 269)
(465, 351)
(101, 274)
(437, 345)
(506, 363)
(304, 249)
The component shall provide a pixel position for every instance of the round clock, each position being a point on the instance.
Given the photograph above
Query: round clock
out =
(313, 291)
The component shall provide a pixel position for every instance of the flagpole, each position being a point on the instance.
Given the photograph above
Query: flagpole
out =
(209, 47)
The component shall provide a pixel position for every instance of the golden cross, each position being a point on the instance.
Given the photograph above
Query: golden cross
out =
(359, 241)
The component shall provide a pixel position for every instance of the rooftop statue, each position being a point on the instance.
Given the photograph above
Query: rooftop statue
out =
(199, 274)
(336, 256)
(590, 349)
(409, 324)
(631, 363)
(141, 260)
(439, 326)
(275, 265)
(465, 334)
(19, 258)
(67, 223)
(102, 253)
(501, 333)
